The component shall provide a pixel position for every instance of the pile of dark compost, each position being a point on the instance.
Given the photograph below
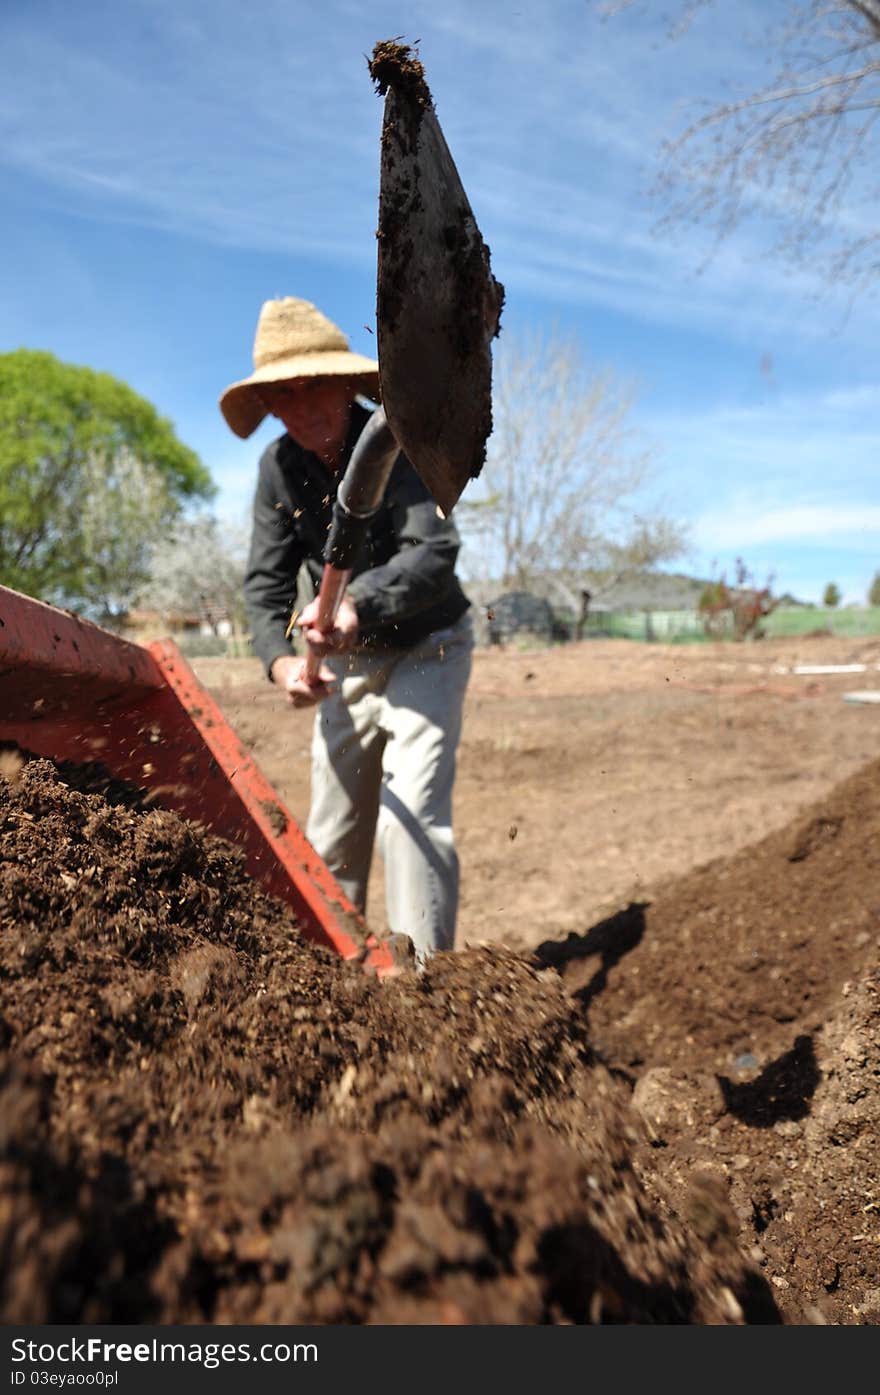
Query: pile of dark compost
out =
(207, 1119)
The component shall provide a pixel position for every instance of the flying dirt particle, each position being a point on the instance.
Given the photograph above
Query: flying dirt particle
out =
(512, 832)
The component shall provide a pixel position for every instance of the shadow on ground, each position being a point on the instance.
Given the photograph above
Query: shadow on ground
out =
(783, 1090)
(610, 939)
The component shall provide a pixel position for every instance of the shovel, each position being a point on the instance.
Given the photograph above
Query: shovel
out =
(438, 308)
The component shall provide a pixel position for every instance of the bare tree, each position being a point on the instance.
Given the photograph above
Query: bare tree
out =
(803, 149)
(122, 504)
(199, 568)
(737, 610)
(564, 470)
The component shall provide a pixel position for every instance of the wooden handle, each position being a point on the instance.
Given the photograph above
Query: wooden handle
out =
(333, 584)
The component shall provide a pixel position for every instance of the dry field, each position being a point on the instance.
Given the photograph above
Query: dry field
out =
(591, 773)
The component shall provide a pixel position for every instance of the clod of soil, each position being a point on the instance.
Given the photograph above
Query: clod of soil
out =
(205, 1118)
(395, 65)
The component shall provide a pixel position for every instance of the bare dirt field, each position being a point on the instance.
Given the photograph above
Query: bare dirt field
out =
(590, 773)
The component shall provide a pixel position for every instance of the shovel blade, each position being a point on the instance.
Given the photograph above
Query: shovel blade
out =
(437, 305)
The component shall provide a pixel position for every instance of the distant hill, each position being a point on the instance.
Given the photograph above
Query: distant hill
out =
(647, 590)
(637, 591)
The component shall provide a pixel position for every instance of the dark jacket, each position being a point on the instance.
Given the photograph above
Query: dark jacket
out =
(403, 582)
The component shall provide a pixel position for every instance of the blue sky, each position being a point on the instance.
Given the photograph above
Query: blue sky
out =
(167, 166)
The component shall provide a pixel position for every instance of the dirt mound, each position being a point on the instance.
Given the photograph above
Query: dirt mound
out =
(743, 1004)
(208, 1119)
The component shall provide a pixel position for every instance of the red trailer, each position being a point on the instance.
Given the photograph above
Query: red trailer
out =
(70, 690)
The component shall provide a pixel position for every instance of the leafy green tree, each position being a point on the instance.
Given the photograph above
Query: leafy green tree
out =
(831, 596)
(90, 478)
(874, 590)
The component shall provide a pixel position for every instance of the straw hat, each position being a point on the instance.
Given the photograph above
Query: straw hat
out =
(294, 340)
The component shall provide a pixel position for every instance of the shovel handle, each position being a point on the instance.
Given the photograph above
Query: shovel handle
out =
(359, 496)
(333, 584)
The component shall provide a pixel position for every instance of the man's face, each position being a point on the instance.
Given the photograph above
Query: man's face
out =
(314, 411)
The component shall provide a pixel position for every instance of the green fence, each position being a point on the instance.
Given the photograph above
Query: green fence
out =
(686, 626)
(801, 620)
(665, 626)
(196, 646)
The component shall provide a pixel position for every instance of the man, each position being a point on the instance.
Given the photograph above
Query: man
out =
(396, 664)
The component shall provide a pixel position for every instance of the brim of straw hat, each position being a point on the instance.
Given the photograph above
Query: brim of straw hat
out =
(243, 408)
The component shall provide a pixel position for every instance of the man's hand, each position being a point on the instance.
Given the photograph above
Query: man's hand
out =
(340, 639)
(289, 674)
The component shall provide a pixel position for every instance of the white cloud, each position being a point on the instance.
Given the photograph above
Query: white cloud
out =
(741, 528)
(263, 133)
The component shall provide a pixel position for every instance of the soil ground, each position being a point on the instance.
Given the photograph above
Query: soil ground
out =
(651, 1095)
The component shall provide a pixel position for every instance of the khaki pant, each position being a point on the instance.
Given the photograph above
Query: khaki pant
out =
(383, 764)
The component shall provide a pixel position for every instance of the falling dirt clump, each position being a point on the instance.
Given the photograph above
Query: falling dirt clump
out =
(206, 1118)
(394, 65)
